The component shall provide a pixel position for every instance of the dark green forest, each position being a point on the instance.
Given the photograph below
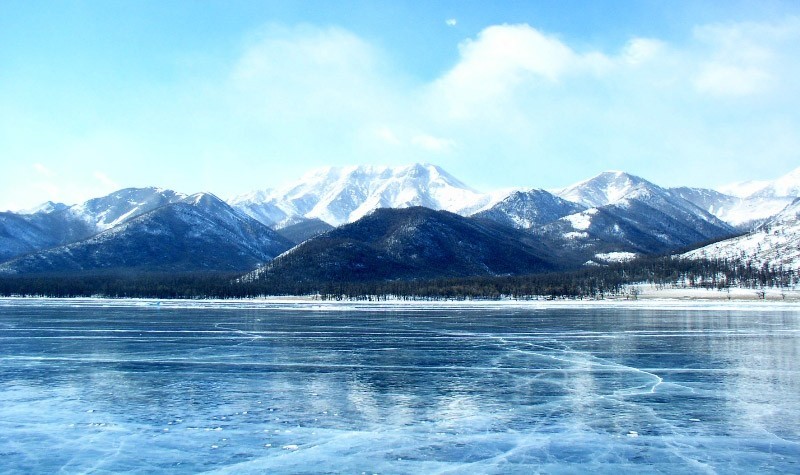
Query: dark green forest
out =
(590, 282)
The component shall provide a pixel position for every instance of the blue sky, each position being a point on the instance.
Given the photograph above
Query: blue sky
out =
(230, 97)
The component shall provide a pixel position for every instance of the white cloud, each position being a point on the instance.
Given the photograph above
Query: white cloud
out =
(727, 80)
(746, 58)
(306, 72)
(451, 22)
(42, 170)
(504, 58)
(433, 144)
(533, 101)
(105, 180)
(387, 135)
(519, 107)
(641, 50)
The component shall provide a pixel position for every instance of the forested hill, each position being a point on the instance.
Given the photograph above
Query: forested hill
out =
(595, 282)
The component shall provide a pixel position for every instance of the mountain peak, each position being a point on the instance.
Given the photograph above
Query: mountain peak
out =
(339, 195)
(409, 243)
(203, 198)
(606, 188)
(46, 207)
(529, 209)
(787, 185)
(117, 207)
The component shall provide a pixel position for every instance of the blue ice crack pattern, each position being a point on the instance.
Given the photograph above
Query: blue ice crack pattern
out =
(109, 386)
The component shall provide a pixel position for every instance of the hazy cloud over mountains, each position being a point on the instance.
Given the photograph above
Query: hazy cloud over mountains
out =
(516, 102)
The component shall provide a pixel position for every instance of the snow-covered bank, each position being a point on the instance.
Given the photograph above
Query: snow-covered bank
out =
(700, 299)
(650, 292)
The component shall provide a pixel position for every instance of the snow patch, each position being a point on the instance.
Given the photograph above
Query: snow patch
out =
(619, 256)
(581, 221)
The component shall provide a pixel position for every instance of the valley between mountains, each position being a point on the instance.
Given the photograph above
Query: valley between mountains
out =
(417, 222)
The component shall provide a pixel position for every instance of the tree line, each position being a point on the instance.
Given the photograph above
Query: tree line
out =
(590, 282)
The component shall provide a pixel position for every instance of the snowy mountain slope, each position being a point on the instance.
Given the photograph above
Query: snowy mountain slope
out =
(743, 189)
(46, 207)
(54, 224)
(48, 227)
(613, 212)
(775, 243)
(24, 233)
(748, 204)
(712, 201)
(743, 213)
(198, 233)
(787, 185)
(605, 188)
(631, 215)
(621, 191)
(113, 209)
(529, 209)
(339, 195)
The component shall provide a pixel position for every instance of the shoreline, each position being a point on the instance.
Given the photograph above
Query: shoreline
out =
(645, 298)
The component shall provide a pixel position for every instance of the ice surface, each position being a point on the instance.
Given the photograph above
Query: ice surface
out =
(116, 386)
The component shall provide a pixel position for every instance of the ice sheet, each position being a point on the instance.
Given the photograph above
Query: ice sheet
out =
(140, 387)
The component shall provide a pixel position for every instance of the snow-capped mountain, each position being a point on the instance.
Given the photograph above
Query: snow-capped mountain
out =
(46, 207)
(529, 209)
(774, 243)
(787, 185)
(630, 214)
(743, 189)
(743, 213)
(116, 208)
(53, 224)
(611, 216)
(748, 204)
(197, 233)
(339, 195)
(605, 188)
(24, 233)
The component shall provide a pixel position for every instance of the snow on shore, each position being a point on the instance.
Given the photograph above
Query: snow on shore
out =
(635, 296)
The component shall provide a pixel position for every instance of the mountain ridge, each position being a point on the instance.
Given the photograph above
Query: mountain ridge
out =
(339, 195)
(408, 243)
(614, 215)
(197, 233)
(774, 243)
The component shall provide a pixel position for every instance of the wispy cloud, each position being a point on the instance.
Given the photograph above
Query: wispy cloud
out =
(516, 91)
(433, 144)
(42, 170)
(105, 180)
(546, 111)
(523, 93)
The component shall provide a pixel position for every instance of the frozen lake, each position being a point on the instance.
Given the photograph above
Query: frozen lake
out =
(102, 386)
